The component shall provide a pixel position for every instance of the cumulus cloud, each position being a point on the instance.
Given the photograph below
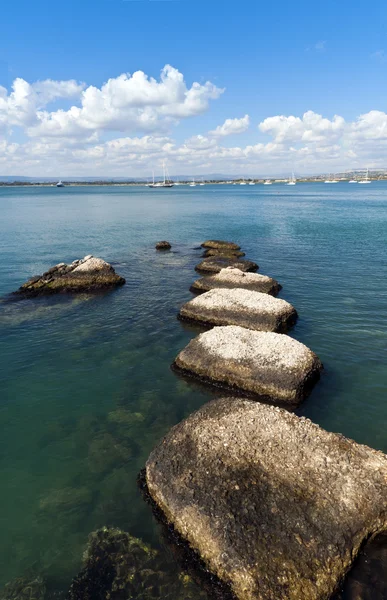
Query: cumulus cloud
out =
(312, 127)
(141, 110)
(130, 103)
(231, 126)
(21, 106)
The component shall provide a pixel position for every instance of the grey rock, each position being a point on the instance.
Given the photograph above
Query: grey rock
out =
(87, 275)
(237, 306)
(164, 245)
(220, 245)
(258, 363)
(214, 264)
(232, 277)
(274, 505)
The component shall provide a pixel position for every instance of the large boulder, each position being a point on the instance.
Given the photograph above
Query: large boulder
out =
(220, 245)
(274, 505)
(237, 306)
(232, 277)
(214, 264)
(89, 274)
(269, 365)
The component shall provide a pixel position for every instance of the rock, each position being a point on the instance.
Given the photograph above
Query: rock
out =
(119, 566)
(105, 452)
(274, 505)
(163, 246)
(259, 363)
(66, 500)
(214, 264)
(223, 252)
(237, 306)
(24, 588)
(86, 275)
(235, 278)
(220, 245)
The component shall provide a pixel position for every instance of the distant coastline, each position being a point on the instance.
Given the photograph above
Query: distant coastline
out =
(107, 183)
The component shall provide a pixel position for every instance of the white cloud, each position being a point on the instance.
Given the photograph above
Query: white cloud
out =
(21, 106)
(312, 127)
(130, 103)
(231, 126)
(141, 110)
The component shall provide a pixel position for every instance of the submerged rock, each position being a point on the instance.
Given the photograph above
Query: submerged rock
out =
(67, 498)
(86, 275)
(253, 310)
(223, 252)
(274, 505)
(121, 567)
(24, 588)
(163, 246)
(232, 277)
(214, 264)
(220, 245)
(259, 363)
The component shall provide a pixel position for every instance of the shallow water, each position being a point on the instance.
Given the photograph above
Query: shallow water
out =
(86, 388)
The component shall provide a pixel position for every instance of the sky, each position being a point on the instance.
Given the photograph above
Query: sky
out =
(117, 87)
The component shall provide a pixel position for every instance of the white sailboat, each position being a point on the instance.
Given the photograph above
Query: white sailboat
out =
(166, 183)
(267, 182)
(202, 182)
(331, 180)
(243, 182)
(366, 179)
(192, 184)
(292, 181)
(251, 182)
(60, 184)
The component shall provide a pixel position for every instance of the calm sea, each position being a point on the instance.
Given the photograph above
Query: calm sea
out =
(86, 388)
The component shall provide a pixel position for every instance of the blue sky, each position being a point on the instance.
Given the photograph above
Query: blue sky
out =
(272, 59)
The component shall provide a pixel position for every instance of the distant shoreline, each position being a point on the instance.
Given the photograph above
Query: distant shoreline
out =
(142, 184)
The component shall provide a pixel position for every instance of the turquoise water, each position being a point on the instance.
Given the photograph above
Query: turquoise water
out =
(85, 385)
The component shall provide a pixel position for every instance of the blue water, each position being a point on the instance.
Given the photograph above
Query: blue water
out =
(85, 385)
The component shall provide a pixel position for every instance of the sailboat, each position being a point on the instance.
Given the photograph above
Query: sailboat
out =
(192, 184)
(267, 182)
(166, 183)
(331, 180)
(292, 181)
(202, 182)
(366, 179)
(352, 181)
(251, 182)
(60, 184)
(243, 182)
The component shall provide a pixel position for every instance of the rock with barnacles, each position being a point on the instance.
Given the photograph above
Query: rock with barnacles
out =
(214, 264)
(266, 365)
(88, 274)
(275, 506)
(237, 306)
(232, 277)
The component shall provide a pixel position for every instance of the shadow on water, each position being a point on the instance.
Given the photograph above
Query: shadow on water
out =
(367, 580)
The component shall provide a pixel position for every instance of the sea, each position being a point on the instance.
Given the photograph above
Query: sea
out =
(86, 389)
